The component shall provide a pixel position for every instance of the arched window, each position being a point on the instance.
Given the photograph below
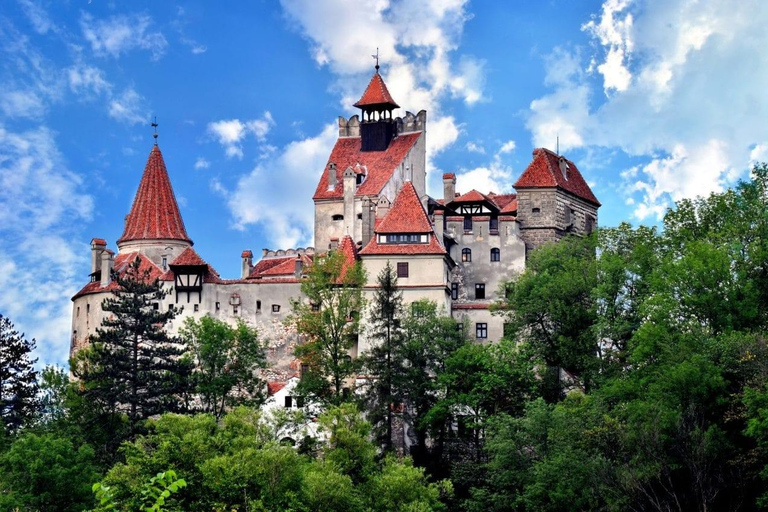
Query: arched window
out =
(466, 254)
(495, 254)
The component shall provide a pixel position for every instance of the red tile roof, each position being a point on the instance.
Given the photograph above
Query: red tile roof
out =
(155, 213)
(376, 94)
(349, 249)
(190, 258)
(98, 241)
(281, 266)
(120, 265)
(470, 306)
(473, 196)
(381, 164)
(502, 200)
(407, 214)
(544, 172)
(449, 176)
(273, 387)
(511, 207)
(247, 254)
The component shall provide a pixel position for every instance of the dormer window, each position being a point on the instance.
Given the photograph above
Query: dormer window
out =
(409, 238)
(564, 168)
(359, 179)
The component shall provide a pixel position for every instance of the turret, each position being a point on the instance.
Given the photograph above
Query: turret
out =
(377, 127)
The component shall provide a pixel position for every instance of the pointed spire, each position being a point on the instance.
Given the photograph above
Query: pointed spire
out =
(155, 214)
(377, 95)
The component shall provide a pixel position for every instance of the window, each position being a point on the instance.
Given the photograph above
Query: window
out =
(402, 269)
(481, 330)
(78, 311)
(275, 308)
(304, 369)
(493, 225)
(170, 307)
(535, 210)
(495, 254)
(454, 291)
(360, 216)
(218, 306)
(466, 254)
(258, 305)
(87, 309)
(467, 223)
(234, 310)
(197, 308)
(299, 401)
(459, 326)
(403, 239)
(337, 217)
(315, 306)
(165, 263)
(156, 306)
(479, 290)
(288, 402)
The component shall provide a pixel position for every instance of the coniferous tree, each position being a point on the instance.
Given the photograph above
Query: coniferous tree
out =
(18, 378)
(132, 365)
(383, 362)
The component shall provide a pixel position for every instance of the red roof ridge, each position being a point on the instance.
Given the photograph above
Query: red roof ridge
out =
(544, 172)
(376, 93)
(155, 213)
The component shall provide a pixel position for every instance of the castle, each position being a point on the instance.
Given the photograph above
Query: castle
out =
(371, 204)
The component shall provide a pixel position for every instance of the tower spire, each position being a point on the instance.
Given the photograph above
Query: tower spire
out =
(377, 59)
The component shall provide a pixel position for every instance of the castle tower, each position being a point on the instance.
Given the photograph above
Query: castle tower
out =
(377, 127)
(154, 225)
(553, 199)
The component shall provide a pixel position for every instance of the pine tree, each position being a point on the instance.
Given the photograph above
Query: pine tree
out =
(383, 362)
(18, 378)
(132, 365)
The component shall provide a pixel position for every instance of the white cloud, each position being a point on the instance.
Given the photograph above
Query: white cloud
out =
(474, 147)
(684, 85)
(87, 79)
(492, 178)
(507, 147)
(275, 196)
(121, 34)
(230, 133)
(41, 205)
(39, 18)
(202, 163)
(128, 107)
(21, 104)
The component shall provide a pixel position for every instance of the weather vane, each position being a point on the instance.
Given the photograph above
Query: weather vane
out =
(377, 59)
(154, 125)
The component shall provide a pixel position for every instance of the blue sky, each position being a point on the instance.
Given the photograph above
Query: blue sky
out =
(654, 100)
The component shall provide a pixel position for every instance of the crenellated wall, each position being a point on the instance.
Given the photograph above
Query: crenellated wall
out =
(408, 123)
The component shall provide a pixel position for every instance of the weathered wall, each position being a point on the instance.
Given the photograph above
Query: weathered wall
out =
(559, 212)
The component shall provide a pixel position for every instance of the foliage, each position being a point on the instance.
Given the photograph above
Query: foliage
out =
(155, 493)
(18, 384)
(132, 365)
(383, 363)
(227, 359)
(47, 473)
(328, 319)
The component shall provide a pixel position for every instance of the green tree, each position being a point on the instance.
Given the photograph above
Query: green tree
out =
(132, 365)
(383, 363)
(46, 473)
(328, 319)
(227, 360)
(18, 378)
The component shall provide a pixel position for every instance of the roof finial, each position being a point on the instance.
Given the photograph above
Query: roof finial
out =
(377, 59)
(557, 149)
(154, 125)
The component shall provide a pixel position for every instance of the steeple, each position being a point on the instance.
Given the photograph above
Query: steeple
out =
(377, 128)
(155, 214)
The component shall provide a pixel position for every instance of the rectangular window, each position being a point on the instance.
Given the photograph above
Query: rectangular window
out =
(466, 255)
(467, 223)
(495, 254)
(197, 308)
(170, 307)
(258, 305)
(288, 401)
(299, 401)
(454, 291)
(87, 309)
(156, 306)
(275, 308)
(479, 290)
(481, 330)
(165, 263)
(459, 326)
(218, 306)
(493, 225)
(535, 210)
(402, 269)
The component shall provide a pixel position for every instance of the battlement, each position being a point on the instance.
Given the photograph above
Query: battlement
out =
(282, 253)
(406, 124)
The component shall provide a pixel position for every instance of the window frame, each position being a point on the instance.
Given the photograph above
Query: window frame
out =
(481, 330)
(467, 223)
(466, 255)
(454, 291)
(495, 252)
(402, 269)
(479, 290)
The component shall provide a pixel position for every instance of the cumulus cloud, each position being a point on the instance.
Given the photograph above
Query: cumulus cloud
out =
(21, 104)
(684, 84)
(128, 107)
(474, 147)
(507, 147)
(494, 177)
(84, 79)
(275, 196)
(122, 33)
(41, 205)
(230, 133)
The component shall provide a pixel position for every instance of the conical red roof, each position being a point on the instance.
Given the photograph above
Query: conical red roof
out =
(155, 214)
(376, 94)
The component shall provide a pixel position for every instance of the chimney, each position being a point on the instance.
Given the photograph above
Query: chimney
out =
(247, 263)
(331, 176)
(298, 267)
(369, 220)
(382, 207)
(97, 246)
(350, 186)
(449, 187)
(106, 267)
(439, 225)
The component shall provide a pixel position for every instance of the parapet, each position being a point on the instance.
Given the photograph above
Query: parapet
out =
(408, 123)
(282, 253)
